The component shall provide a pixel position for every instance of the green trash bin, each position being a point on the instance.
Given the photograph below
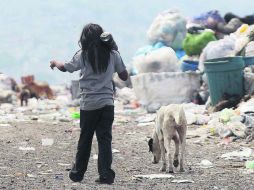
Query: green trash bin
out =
(225, 75)
(248, 61)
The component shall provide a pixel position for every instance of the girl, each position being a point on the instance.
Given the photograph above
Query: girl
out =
(97, 61)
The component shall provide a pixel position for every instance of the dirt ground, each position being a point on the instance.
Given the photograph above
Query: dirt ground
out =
(47, 167)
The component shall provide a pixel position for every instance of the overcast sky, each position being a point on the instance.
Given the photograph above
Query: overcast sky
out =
(34, 31)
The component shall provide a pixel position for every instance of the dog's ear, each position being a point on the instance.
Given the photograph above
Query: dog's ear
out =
(150, 144)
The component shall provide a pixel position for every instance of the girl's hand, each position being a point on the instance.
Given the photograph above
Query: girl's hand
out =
(57, 64)
(53, 64)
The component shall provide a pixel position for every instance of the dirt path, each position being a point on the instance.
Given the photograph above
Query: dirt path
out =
(46, 167)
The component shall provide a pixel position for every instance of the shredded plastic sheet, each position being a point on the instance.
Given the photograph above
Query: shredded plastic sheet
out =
(244, 153)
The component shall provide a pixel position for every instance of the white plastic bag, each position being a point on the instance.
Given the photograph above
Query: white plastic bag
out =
(217, 49)
(249, 83)
(160, 60)
(249, 51)
(5, 82)
(154, 90)
(168, 27)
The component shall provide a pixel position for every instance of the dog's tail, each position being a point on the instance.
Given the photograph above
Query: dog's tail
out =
(181, 117)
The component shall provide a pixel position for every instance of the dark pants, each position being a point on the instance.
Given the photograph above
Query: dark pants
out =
(99, 121)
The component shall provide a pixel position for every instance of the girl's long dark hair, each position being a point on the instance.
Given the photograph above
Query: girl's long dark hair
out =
(93, 49)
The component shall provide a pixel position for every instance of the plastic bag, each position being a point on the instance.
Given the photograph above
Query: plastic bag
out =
(5, 82)
(193, 44)
(168, 27)
(217, 49)
(154, 90)
(230, 27)
(147, 49)
(249, 51)
(249, 83)
(226, 114)
(209, 19)
(160, 60)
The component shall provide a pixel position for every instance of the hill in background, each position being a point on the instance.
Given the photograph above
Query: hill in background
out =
(33, 32)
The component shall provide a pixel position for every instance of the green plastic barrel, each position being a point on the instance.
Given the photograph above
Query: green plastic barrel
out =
(248, 61)
(225, 75)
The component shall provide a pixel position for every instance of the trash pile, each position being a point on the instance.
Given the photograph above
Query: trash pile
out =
(44, 103)
(7, 86)
(202, 63)
(187, 45)
(198, 62)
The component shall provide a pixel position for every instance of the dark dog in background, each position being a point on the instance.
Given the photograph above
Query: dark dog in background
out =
(24, 96)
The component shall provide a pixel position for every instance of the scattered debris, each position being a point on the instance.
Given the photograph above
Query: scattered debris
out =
(47, 142)
(40, 164)
(73, 129)
(59, 176)
(146, 119)
(27, 148)
(64, 120)
(154, 176)
(48, 172)
(19, 174)
(145, 124)
(115, 151)
(5, 125)
(206, 164)
(182, 181)
(243, 154)
(62, 164)
(35, 118)
(131, 133)
(249, 164)
(31, 176)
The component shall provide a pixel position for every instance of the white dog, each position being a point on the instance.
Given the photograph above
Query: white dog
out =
(170, 124)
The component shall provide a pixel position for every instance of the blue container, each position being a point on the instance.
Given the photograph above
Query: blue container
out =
(189, 65)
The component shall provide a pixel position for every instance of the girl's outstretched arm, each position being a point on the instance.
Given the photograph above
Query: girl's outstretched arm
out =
(58, 65)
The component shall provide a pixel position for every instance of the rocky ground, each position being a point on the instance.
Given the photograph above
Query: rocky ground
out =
(46, 167)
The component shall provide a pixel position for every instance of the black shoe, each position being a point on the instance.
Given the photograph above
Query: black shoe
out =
(104, 181)
(97, 180)
(75, 175)
(107, 180)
